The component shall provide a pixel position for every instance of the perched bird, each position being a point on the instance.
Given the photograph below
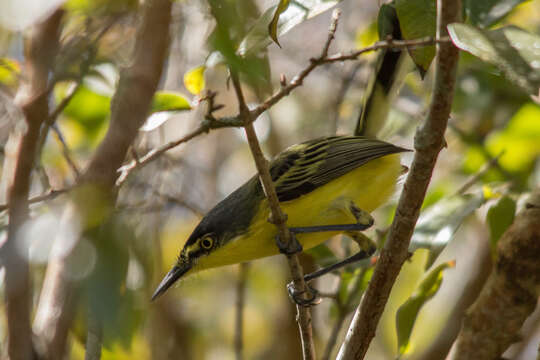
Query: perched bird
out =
(326, 186)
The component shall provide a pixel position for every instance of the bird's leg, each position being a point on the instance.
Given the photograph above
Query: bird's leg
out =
(367, 247)
(290, 248)
(364, 220)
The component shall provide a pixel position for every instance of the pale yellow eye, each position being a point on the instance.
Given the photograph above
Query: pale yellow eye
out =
(207, 242)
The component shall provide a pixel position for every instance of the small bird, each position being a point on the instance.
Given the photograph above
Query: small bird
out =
(325, 186)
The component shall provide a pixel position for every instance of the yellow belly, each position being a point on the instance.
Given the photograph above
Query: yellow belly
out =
(368, 186)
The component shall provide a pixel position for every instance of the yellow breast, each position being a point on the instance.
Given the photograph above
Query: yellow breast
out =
(368, 186)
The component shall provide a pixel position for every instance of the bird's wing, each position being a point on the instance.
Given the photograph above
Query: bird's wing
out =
(304, 167)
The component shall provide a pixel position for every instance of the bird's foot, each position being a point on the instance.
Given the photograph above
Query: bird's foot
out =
(288, 248)
(299, 298)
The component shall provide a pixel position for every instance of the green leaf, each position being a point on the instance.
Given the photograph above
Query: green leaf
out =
(273, 26)
(169, 101)
(438, 223)
(194, 80)
(499, 217)
(387, 20)
(513, 51)
(408, 312)
(258, 37)
(87, 107)
(418, 19)
(484, 13)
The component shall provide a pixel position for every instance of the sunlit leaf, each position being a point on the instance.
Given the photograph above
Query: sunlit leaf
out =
(418, 19)
(487, 12)
(408, 312)
(9, 72)
(499, 217)
(169, 101)
(512, 50)
(101, 6)
(520, 140)
(297, 12)
(273, 26)
(194, 80)
(438, 223)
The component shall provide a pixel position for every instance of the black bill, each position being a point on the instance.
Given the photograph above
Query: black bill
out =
(169, 279)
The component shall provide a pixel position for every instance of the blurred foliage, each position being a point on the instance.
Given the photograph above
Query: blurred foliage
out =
(128, 248)
(407, 313)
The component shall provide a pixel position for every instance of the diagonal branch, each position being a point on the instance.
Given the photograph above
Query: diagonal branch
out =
(429, 140)
(211, 123)
(32, 97)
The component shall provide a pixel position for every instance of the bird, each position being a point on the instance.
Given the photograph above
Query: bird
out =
(326, 186)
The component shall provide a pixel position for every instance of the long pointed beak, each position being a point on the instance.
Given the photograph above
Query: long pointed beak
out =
(169, 279)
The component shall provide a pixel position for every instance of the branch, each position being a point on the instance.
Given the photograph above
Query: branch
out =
(129, 107)
(240, 304)
(429, 140)
(278, 217)
(51, 194)
(510, 295)
(211, 123)
(33, 100)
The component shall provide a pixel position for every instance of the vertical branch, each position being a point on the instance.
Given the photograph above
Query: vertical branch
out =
(429, 140)
(240, 304)
(129, 110)
(278, 218)
(32, 97)
(94, 337)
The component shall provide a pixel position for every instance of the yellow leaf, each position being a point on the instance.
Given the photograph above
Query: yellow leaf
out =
(194, 80)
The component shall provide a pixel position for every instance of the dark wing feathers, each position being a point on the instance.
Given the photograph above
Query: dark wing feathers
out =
(304, 167)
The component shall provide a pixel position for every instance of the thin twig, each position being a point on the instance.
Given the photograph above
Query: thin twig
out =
(278, 217)
(476, 141)
(211, 123)
(429, 141)
(49, 195)
(476, 177)
(66, 151)
(240, 304)
(156, 153)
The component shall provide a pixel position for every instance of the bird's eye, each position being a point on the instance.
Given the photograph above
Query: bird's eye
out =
(207, 242)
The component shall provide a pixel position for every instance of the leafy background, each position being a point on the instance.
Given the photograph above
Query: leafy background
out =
(494, 133)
